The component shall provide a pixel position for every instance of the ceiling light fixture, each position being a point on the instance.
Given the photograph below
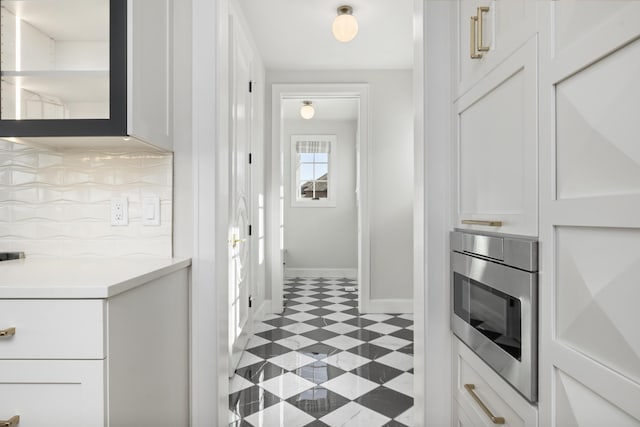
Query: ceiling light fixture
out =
(345, 26)
(307, 111)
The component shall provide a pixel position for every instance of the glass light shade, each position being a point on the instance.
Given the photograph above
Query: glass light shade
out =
(307, 111)
(345, 27)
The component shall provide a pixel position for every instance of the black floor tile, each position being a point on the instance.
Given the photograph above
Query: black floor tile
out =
(360, 322)
(405, 334)
(251, 400)
(318, 401)
(364, 334)
(319, 372)
(275, 334)
(386, 401)
(319, 334)
(260, 371)
(267, 351)
(370, 351)
(320, 322)
(319, 351)
(377, 372)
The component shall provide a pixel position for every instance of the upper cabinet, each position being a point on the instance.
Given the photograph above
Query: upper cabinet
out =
(488, 32)
(86, 68)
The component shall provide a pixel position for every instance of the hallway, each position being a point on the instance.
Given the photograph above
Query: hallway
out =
(321, 363)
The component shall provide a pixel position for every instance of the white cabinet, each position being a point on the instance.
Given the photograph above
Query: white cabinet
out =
(589, 204)
(497, 144)
(487, 33)
(120, 361)
(482, 398)
(92, 68)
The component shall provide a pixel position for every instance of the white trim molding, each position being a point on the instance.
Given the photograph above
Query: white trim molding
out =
(390, 306)
(347, 273)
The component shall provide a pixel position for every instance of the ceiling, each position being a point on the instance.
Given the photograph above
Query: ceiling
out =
(296, 34)
(325, 108)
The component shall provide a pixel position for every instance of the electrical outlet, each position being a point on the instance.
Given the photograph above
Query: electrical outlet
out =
(119, 211)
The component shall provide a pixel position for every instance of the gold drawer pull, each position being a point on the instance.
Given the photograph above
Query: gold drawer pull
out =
(481, 222)
(9, 332)
(11, 422)
(481, 12)
(494, 419)
(472, 38)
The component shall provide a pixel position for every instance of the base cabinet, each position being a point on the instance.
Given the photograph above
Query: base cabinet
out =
(480, 394)
(133, 371)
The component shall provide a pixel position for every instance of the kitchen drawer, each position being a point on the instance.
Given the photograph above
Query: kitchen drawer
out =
(498, 396)
(52, 329)
(53, 393)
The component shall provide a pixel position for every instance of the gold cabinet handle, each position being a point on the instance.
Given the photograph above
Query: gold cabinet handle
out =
(494, 419)
(481, 11)
(472, 38)
(9, 332)
(481, 222)
(234, 242)
(11, 422)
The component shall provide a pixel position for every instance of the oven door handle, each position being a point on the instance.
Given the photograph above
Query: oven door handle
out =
(493, 418)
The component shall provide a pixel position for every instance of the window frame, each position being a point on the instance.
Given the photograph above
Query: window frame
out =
(330, 200)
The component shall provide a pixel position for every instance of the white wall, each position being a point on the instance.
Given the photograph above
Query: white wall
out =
(323, 237)
(390, 170)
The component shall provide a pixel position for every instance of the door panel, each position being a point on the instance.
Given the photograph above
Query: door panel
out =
(240, 318)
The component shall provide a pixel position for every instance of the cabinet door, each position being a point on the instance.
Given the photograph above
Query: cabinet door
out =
(500, 28)
(589, 222)
(61, 393)
(63, 68)
(497, 148)
(477, 385)
(150, 99)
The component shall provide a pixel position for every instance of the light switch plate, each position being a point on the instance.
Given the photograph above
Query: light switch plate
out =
(151, 211)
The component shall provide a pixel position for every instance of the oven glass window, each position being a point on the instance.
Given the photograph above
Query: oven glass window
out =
(494, 314)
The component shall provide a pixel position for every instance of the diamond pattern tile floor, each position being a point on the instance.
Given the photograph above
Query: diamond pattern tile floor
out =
(321, 363)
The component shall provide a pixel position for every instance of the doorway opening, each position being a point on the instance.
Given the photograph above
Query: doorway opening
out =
(350, 101)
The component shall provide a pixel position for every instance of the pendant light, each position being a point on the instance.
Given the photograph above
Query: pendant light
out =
(307, 111)
(345, 26)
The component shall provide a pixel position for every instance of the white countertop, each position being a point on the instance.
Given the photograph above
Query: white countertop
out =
(43, 278)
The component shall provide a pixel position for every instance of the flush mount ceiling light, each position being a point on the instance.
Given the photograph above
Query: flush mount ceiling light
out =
(345, 26)
(307, 111)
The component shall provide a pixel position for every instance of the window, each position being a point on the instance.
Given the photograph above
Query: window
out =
(313, 170)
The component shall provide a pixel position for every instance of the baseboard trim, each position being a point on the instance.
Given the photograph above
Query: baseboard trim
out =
(349, 273)
(391, 306)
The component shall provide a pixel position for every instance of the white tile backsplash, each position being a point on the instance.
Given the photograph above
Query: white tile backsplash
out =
(58, 203)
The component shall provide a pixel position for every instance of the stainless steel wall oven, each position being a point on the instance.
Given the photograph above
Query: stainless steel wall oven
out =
(495, 303)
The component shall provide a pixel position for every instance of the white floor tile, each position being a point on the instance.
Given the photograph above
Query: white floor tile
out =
(397, 360)
(302, 307)
(390, 342)
(337, 307)
(343, 342)
(382, 328)
(376, 317)
(238, 383)
(282, 414)
(346, 361)
(292, 360)
(262, 327)
(336, 300)
(233, 417)
(256, 341)
(335, 293)
(406, 316)
(409, 327)
(303, 300)
(339, 317)
(298, 328)
(354, 415)
(340, 328)
(287, 385)
(305, 293)
(406, 418)
(403, 383)
(248, 359)
(301, 317)
(350, 386)
(296, 342)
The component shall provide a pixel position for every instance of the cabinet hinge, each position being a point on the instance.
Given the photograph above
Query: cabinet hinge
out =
(250, 229)
(250, 301)
(250, 86)
(250, 158)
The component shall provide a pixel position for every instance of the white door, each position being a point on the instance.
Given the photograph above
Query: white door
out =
(589, 222)
(240, 190)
